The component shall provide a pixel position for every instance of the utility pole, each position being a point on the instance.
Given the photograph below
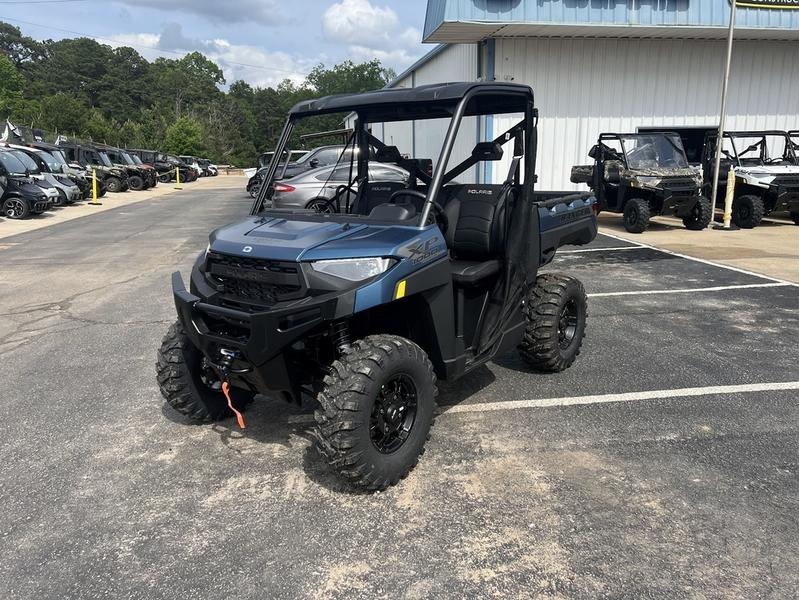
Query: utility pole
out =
(723, 116)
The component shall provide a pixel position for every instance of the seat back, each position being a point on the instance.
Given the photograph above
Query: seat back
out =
(376, 193)
(476, 216)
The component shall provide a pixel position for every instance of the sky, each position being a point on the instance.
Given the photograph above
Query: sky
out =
(259, 41)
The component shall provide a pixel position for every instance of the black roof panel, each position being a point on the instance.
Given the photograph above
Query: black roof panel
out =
(426, 101)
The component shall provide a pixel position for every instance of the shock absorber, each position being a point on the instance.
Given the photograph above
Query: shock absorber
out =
(341, 335)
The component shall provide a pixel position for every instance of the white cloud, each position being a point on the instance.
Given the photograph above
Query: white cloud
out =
(370, 32)
(250, 63)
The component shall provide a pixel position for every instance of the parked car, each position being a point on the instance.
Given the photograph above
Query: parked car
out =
(766, 174)
(265, 159)
(81, 176)
(316, 188)
(21, 196)
(193, 163)
(32, 170)
(49, 169)
(209, 169)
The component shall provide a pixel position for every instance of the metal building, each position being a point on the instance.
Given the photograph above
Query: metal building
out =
(606, 65)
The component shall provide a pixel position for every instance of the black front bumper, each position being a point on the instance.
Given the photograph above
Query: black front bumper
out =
(261, 340)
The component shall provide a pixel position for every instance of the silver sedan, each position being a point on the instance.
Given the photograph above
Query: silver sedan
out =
(313, 189)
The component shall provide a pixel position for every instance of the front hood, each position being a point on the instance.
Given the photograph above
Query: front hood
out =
(765, 175)
(276, 238)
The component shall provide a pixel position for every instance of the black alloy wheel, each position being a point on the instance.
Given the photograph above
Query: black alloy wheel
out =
(393, 414)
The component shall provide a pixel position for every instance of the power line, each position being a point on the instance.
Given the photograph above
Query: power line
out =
(39, 1)
(137, 46)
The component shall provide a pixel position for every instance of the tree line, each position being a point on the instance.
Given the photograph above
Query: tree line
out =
(87, 89)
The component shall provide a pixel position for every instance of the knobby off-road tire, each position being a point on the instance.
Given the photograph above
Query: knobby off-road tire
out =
(700, 217)
(180, 370)
(136, 183)
(556, 311)
(747, 211)
(361, 401)
(113, 184)
(636, 215)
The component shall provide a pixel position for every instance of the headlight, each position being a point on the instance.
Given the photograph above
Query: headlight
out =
(649, 181)
(353, 269)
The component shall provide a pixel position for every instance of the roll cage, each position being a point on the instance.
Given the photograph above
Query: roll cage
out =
(761, 146)
(453, 101)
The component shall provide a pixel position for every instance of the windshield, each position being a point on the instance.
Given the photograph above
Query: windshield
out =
(126, 158)
(450, 151)
(767, 149)
(12, 164)
(654, 151)
(136, 160)
(52, 162)
(26, 160)
(105, 160)
(59, 157)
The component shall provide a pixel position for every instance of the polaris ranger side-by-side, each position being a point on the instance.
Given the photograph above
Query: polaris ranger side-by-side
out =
(766, 174)
(363, 307)
(643, 175)
(82, 155)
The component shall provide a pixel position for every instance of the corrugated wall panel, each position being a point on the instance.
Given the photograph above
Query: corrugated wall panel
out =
(586, 86)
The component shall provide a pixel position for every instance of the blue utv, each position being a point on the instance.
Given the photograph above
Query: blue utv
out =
(364, 304)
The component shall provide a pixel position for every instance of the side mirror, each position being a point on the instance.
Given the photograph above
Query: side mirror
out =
(314, 162)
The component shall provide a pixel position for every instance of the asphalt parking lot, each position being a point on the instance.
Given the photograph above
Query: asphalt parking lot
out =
(664, 464)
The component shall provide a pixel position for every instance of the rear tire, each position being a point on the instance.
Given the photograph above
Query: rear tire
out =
(556, 312)
(795, 217)
(747, 211)
(190, 387)
(636, 215)
(376, 410)
(700, 217)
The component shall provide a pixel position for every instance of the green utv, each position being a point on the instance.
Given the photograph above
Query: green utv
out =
(643, 175)
(362, 308)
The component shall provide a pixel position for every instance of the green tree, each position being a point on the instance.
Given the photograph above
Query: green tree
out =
(17, 47)
(185, 136)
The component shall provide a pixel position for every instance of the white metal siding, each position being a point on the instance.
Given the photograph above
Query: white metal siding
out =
(587, 86)
(423, 139)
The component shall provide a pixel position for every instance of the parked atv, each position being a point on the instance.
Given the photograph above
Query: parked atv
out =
(139, 177)
(81, 155)
(21, 196)
(766, 174)
(643, 175)
(364, 308)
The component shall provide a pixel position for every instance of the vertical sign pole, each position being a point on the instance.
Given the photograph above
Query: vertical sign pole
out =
(723, 116)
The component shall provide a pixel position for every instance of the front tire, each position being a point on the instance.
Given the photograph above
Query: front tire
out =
(700, 217)
(376, 410)
(747, 211)
(189, 385)
(556, 312)
(113, 184)
(16, 208)
(136, 183)
(636, 215)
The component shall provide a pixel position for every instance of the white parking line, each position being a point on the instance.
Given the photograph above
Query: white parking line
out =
(626, 397)
(702, 260)
(719, 288)
(602, 249)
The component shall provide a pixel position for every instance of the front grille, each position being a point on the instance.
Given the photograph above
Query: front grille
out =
(255, 281)
(684, 183)
(786, 181)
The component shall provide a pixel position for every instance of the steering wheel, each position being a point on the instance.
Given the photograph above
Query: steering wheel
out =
(440, 217)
